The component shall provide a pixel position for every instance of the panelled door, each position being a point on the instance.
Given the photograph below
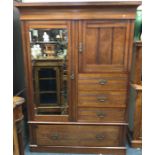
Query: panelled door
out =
(103, 46)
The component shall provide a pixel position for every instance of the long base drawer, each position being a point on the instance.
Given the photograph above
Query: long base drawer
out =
(80, 135)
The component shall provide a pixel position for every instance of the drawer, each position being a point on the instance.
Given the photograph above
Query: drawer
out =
(79, 135)
(102, 82)
(106, 115)
(102, 98)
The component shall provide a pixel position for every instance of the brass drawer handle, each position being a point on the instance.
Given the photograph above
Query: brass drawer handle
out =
(55, 136)
(100, 114)
(102, 99)
(102, 82)
(100, 137)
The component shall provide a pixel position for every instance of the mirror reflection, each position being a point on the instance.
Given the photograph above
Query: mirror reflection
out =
(49, 62)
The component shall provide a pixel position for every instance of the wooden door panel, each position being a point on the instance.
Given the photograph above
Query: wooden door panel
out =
(105, 46)
(92, 35)
(118, 46)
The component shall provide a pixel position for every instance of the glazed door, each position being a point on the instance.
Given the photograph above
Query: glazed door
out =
(50, 67)
(103, 46)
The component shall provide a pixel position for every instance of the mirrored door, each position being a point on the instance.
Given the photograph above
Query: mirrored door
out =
(49, 58)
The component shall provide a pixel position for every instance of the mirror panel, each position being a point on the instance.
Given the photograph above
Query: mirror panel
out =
(49, 65)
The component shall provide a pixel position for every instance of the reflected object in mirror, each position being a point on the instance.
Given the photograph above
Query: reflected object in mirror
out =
(34, 35)
(49, 50)
(36, 51)
(46, 37)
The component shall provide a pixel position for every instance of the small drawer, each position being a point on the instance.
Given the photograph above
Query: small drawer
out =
(112, 115)
(102, 98)
(79, 135)
(102, 82)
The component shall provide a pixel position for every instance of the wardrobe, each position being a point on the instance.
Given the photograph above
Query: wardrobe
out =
(77, 58)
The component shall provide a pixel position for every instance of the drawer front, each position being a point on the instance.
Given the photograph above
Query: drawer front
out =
(102, 98)
(79, 135)
(101, 115)
(102, 82)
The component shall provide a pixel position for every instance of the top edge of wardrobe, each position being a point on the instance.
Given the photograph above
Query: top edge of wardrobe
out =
(74, 4)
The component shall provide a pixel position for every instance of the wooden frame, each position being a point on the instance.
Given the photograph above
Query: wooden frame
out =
(43, 24)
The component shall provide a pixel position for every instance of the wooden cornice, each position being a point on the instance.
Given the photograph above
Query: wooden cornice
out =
(104, 3)
(78, 10)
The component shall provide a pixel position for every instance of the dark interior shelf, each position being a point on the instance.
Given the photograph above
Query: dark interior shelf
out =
(47, 92)
(47, 78)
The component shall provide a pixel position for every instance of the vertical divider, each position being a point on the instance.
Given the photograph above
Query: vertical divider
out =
(74, 68)
(81, 40)
(70, 70)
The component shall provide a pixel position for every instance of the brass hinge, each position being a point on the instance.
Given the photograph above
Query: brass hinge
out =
(80, 47)
(72, 76)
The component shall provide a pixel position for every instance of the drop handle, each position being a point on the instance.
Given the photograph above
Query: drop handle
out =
(102, 81)
(55, 136)
(100, 137)
(102, 99)
(100, 114)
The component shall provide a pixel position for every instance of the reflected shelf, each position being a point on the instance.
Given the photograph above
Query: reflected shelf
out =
(42, 42)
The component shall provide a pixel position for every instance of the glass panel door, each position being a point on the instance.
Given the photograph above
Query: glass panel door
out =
(49, 57)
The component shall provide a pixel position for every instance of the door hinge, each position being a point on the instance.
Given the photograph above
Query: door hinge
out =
(72, 76)
(80, 47)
